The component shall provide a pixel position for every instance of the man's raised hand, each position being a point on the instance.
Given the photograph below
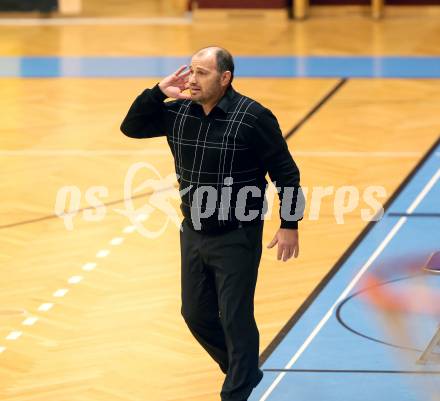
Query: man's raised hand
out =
(173, 85)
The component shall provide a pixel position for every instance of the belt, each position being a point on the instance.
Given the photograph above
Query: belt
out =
(219, 227)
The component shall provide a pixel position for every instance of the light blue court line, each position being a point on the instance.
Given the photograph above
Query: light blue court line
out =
(318, 342)
(246, 66)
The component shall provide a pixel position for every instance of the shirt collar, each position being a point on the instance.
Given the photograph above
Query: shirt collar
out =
(227, 99)
(225, 102)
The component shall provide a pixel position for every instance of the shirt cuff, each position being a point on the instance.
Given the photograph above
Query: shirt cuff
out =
(293, 225)
(157, 94)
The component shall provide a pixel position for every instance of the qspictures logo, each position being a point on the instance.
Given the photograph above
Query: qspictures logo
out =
(160, 194)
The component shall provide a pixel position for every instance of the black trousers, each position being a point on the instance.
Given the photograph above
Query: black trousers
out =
(219, 274)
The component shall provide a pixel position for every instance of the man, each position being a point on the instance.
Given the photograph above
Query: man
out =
(223, 145)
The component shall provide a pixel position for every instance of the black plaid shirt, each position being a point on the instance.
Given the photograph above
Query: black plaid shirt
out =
(234, 146)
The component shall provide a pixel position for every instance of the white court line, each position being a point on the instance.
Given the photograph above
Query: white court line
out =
(94, 21)
(129, 229)
(355, 280)
(89, 266)
(74, 279)
(45, 307)
(14, 335)
(61, 292)
(102, 253)
(30, 321)
(117, 241)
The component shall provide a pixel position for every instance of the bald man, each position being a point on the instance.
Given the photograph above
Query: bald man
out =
(223, 145)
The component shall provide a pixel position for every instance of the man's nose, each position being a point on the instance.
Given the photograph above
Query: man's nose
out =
(192, 78)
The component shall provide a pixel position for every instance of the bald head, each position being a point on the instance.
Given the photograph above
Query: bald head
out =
(222, 58)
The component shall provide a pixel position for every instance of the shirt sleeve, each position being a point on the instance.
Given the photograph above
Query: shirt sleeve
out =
(271, 149)
(146, 116)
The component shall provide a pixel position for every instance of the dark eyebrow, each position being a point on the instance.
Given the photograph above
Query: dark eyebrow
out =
(200, 68)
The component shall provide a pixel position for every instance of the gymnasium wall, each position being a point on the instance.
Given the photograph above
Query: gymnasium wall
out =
(285, 3)
(28, 5)
(242, 3)
(367, 2)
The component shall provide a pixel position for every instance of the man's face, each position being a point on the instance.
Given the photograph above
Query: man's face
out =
(204, 80)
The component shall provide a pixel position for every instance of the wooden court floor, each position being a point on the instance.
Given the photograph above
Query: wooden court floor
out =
(117, 333)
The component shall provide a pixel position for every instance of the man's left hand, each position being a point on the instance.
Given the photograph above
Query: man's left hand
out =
(288, 243)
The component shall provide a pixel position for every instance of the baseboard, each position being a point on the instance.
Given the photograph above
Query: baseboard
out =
(227, 14)
(359, 10)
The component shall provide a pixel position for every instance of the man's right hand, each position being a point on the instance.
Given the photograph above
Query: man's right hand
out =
(174, 85)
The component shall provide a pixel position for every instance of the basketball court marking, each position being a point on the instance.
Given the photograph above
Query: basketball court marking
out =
(61, 292)
(246, 66)
(265, 388)
(355, 280)
(354, 154)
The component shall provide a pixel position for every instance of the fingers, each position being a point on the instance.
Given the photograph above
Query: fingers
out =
(280, 252)
(185, 75)
(184, 96)
(183, 86)
(181, 68)
(286, 252)
(296, 253)
(273, 242)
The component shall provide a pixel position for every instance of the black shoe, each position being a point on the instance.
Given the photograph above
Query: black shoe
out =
(257, 381)
(259, 377)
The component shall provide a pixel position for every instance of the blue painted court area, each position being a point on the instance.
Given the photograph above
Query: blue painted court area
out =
(343, 347)
(246, 66)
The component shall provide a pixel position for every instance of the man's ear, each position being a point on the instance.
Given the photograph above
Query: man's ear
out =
(226, 77)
